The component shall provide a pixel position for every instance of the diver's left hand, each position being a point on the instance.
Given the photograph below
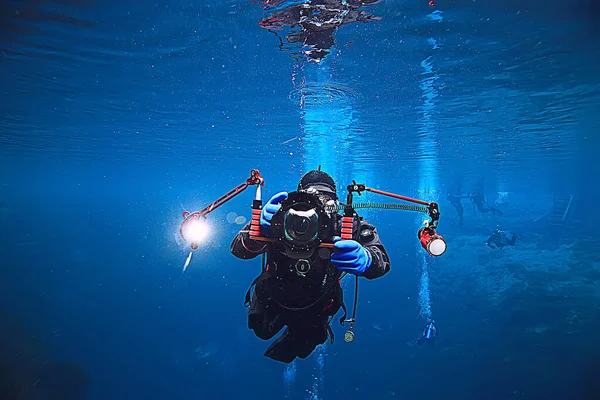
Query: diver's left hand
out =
(350, 256)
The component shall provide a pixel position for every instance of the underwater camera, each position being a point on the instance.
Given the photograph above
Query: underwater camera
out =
(302, 224)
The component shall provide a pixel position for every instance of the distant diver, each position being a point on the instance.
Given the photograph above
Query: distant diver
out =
(499, 240)
(314, 22)
(429, 334)
(478, 200)
(456, 201)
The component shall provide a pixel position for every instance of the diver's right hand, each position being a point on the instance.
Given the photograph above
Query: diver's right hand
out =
(269, 210)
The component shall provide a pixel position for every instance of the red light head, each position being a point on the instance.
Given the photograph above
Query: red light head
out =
(433, 243)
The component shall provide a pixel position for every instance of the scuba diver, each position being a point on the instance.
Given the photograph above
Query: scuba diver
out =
(299, 288)
(478, 200)
(456, 201)
(314, 22)
(499, 240)
(429, 334)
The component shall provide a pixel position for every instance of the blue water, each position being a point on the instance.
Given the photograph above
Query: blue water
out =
(119, 116)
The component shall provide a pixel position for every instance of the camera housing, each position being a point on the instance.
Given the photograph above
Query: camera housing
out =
(302, 224)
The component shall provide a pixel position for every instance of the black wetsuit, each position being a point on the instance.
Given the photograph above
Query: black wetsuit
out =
(304, 304)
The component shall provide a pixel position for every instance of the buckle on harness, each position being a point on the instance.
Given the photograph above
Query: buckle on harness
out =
(302, 267)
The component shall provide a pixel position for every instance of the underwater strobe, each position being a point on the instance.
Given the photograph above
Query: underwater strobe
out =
(431, 241)
(193, 228)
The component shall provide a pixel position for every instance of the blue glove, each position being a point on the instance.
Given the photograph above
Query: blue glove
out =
(269, 210)
(350, 256)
